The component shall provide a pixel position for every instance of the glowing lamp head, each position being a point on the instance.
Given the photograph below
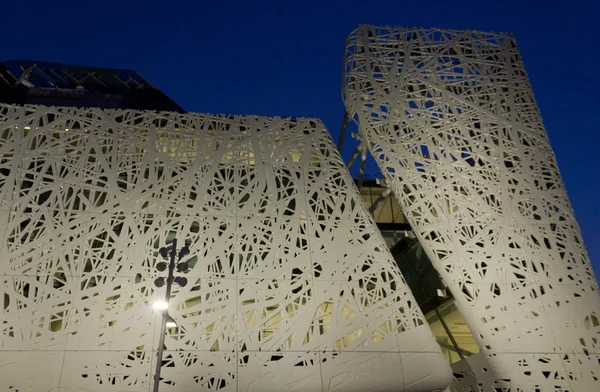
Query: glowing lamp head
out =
(160, 305)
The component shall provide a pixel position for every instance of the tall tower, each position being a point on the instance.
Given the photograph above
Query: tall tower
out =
(451, 119)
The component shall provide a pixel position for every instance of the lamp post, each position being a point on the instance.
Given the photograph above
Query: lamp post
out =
(166, 319)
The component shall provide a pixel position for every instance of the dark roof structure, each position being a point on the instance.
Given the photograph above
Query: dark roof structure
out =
(55, 84)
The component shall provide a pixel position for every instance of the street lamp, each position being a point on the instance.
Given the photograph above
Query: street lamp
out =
(163, 306)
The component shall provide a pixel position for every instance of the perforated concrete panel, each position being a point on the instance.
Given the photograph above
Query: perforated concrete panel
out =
(451, 119)
(291, 286)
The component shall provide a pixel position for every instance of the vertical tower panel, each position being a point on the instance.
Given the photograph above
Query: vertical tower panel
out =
(451, 119)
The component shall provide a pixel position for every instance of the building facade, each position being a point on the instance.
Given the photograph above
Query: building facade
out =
(291, 286)
(451, 119)
(300, 279)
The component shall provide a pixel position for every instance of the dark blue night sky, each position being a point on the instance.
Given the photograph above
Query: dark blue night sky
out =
(280, 58)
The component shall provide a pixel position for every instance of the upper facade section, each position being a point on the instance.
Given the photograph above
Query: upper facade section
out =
(55, 84)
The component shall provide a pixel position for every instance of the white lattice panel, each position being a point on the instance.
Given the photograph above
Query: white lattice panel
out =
(292, 286)
(451, 119)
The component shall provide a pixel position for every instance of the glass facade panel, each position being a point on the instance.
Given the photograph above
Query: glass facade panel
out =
(458, 328)
(423, 279)
(388, 210)
(451, 352)
(392, 237)
(446, 322)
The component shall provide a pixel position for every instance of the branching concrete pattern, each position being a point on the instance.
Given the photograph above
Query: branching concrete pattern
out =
(451, 119)
(291, 286)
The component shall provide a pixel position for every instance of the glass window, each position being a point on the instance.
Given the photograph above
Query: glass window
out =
(449, 350)
(451, 332)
